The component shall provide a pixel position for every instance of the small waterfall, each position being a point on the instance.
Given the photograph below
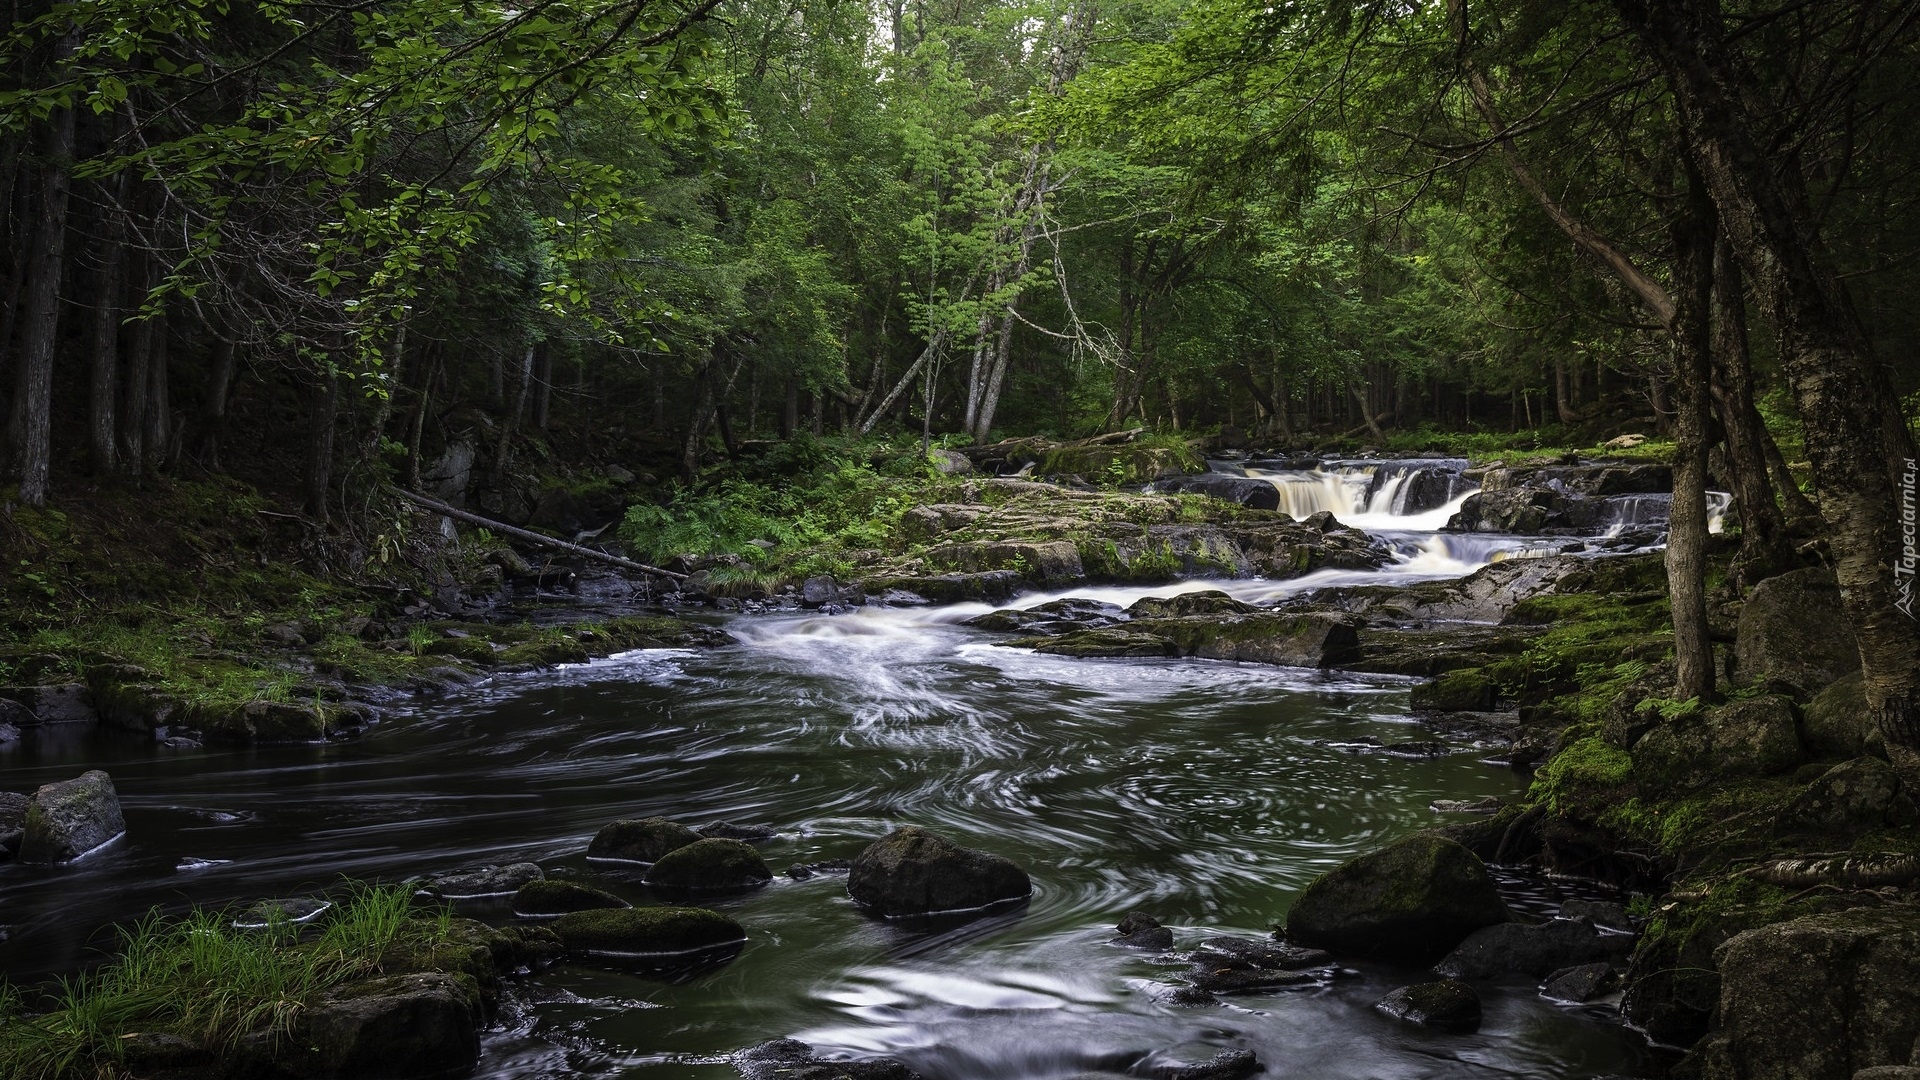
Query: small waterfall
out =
(1417, 494)
(1623, 512)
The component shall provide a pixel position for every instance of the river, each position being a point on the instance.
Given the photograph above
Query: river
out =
(1207, 794)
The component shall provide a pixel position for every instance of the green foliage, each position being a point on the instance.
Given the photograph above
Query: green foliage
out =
(200, 978)
(806, 500)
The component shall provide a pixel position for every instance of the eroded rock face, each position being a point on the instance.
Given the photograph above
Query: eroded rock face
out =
(1817, 998)
(1757, 737)
(1792, 631)
(1245, 491)
(70, 819)
(639, 840)
(1410, 902)
(912, 872)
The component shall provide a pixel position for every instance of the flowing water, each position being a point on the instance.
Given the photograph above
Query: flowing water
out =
(1205, 793)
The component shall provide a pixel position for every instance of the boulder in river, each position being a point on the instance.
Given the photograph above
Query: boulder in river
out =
(912, 872)
(1793, 632)
(1230, 965)
(1449, 1005)
(1139, 930)
(1579, 983)
(641, 840)
(1188, 605)
(647, 933)
(790, 1059)
(481, 882)
(71, 819)
(1409, 902)
(1822, 997)
(1536, 950)
(423, 1026)
(710, 865)
(548, 898)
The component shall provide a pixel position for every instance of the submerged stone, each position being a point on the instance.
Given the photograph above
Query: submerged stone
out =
(790, 1059)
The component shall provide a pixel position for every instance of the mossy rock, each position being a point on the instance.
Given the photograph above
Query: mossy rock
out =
(1836, 722)
(545, 653)
(548, 898)
(710, 865)
(70, 819)
(641, 840)
(471, 649)
(1757, 737)
(1204, 602)
(1410, 902)
(1089, 644)
(1854, 796)
(647, 932)
(1464, 690)
(1793, 631)
(913, 872)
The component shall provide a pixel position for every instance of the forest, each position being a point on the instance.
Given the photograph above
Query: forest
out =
(347, 300)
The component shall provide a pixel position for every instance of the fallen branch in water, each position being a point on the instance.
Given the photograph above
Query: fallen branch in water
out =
(531, 537)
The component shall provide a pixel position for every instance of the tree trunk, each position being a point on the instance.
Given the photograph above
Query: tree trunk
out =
(417, 436)
(1800, 509)
(1686, 554)
(1764, 546)
(1562, 394)
(1856, 440)
(220, 371)
(159, 415)
(790, 409)
(40, 323)
(542, 389)
(996, 381)
(323, 405)
(510, 423)
(103, 366)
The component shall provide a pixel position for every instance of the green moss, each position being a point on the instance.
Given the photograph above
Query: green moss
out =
(1585, 776)
(646, 931)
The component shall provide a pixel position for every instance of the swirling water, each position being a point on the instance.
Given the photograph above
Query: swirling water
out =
(1208, 794)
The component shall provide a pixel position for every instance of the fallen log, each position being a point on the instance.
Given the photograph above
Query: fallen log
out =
(530, 537)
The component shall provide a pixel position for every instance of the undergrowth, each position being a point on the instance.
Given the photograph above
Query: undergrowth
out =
(199, 978)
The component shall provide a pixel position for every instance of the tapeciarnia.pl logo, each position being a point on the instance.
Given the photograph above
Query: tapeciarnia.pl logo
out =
(1904, 570)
